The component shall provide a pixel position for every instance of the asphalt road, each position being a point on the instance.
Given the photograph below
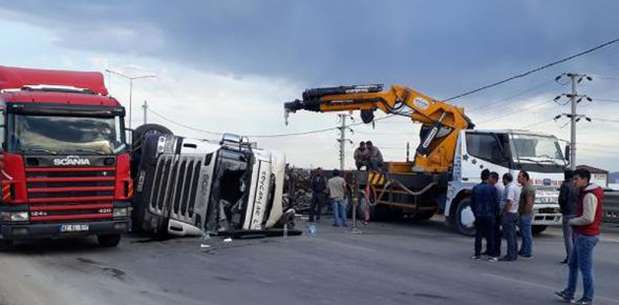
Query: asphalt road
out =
(386, 264)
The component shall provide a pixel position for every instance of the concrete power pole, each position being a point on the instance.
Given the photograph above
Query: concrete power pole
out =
(574, 117)
(342, 139)
(145, 109)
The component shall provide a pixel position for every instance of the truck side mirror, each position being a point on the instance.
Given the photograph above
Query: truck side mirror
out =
(567, 152)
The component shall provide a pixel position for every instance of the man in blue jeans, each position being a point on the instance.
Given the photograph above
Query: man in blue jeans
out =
(586, 226)
(510, 217)
(337, 194)
(525, 210)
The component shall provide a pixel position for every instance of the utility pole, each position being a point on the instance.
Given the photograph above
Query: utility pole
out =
(145, 109)
(574, 117)
(130, 78)
(342, 139)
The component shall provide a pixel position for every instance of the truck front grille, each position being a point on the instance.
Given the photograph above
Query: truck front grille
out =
(70, 194)
(175, 186)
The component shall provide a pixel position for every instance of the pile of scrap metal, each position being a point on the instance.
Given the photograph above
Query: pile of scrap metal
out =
(297, 190)
(191, 187)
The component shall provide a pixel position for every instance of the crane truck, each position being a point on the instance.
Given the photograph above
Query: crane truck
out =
(448, 161)
(64, 165)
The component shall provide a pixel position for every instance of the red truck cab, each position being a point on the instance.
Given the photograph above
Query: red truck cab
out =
(64, 165)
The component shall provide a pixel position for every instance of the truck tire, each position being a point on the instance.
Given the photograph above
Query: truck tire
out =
(379, 213)
(421, 216)
(108, 240)
(538, 229)
(464, 220)
(6, 244)
(138, 134)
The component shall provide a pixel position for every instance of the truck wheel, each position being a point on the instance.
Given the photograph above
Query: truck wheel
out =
(421, 216)
(379, 213)
(6, 244)
(138, 134)
(464, 220)
(538, 229)
(108, 240)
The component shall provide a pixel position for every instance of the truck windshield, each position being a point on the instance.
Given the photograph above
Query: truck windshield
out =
(535, 148)
(44, 134)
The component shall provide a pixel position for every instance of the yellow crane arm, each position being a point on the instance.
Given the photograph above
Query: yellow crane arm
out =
(441, 121)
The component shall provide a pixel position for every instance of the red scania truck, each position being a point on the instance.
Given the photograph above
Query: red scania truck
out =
(64, 165)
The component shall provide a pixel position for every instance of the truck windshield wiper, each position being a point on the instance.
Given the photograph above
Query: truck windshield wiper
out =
(89, 151)
(537, 162)
(38, 149)
(550, 159)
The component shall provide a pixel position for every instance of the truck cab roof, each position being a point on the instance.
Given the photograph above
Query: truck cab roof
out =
(23, 85)
(512, 131)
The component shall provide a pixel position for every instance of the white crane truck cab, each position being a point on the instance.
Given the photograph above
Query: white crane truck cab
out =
(506, 151)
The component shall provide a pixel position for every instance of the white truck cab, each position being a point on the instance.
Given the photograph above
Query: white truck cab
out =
(506, 151)
(188, 187)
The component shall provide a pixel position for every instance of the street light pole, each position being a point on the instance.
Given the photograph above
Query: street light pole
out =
(130, 78)
(130, 100)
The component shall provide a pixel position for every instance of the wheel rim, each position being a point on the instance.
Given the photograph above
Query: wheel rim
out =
(467, 218)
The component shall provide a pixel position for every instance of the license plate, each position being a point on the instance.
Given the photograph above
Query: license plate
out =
(74, 228)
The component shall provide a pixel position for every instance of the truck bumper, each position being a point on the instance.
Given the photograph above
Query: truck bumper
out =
(52, 230)
(29, 230)
(546, 215)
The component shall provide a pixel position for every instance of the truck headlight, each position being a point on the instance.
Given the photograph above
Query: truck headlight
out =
(120, 212)
(5, 216)
(20, 216)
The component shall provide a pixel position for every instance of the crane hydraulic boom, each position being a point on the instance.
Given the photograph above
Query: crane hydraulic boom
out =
(441, 122)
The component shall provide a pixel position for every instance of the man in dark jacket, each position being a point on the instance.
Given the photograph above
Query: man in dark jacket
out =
(485, 205)
(319, 194)
(567, 201)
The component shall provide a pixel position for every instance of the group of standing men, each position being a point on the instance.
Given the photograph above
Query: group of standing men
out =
(511, 206)
(335, 189)
(498, 209)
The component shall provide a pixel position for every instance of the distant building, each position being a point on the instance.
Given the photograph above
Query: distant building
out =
(598, 176)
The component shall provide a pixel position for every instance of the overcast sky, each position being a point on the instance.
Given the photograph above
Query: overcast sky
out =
(230, 65)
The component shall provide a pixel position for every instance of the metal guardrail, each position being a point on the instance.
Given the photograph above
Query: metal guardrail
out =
(611, 206)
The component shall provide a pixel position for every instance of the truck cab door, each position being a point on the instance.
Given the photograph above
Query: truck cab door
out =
(484, 150)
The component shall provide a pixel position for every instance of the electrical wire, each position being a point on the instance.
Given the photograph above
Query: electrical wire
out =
(504, 115)
(183, 125)
(605, 100)
(540, 68)
(518, 94)
(605, 120)
(521, 75)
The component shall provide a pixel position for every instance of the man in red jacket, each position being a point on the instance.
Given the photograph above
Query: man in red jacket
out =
(586, 226)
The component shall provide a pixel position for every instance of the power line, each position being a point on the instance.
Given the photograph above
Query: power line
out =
(605, 100)
(605, 120)
(255, 135)
(503, 100)
(504, 115)
(537, 123)
(521, 75)
(181, 124)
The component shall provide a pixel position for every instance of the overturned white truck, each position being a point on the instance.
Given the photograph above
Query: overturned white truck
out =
(188, 186)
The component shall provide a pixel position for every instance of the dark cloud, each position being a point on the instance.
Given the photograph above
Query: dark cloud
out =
(441, 47)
